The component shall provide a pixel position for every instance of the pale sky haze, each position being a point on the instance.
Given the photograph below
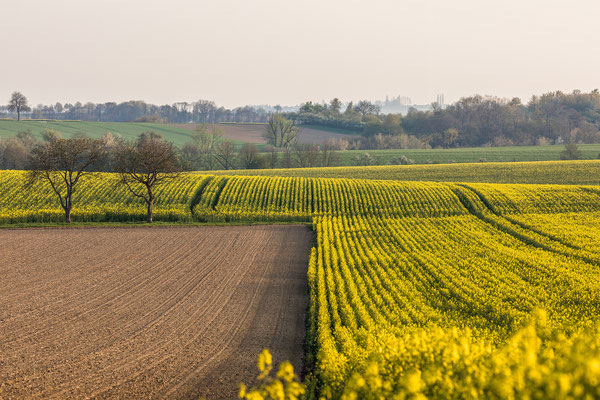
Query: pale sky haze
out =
(239, 52)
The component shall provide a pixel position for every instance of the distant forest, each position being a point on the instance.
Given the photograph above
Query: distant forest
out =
(552, 118)
(202, 111)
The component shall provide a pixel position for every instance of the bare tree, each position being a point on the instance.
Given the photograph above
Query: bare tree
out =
(280, 132)
(64, 163)
(18, 103)
(307, 154)
(249, 157)
(226, 154)
(200, 153)
(204, 110)
(144, 164)
(328, 155)
(271, 156)
(286, 159)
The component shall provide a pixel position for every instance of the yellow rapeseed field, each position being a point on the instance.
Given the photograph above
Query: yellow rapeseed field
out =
(442, 290)
(581, 172)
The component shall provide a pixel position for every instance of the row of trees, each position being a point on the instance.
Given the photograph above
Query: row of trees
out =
(201, 111)
(142, 165)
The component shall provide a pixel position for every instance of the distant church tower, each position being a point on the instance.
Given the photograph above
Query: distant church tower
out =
(440, 100)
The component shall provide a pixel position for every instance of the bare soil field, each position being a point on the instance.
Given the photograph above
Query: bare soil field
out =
(166, 312)
(318, 136)
(252, 133)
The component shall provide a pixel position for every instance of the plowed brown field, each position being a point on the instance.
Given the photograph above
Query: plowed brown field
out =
(148, 312)
(253, 133)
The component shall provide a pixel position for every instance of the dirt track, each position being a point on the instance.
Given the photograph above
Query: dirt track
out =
(148, 312)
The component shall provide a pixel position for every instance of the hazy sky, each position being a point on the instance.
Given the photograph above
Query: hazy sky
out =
(239, 52)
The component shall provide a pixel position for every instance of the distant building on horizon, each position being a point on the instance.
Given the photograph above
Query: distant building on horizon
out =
(440, 101)
(401, 105)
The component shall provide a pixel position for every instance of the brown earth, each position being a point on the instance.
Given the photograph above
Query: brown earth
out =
(252, 133)
(177, 312)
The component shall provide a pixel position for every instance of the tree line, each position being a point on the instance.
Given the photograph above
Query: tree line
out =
(552, 118)
(141, 165)
(201, 111)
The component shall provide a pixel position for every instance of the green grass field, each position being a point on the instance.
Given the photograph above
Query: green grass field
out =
(471, 154)
(127, 130)
(179, 134)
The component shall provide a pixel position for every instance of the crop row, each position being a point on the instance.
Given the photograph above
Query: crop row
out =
(585, 172)
(376, 281)
(284, 198)
(301, 198)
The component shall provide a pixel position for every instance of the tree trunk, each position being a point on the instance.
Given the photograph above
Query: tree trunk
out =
(150, 211)
(150, 203)
(68, 206)
(18, 115)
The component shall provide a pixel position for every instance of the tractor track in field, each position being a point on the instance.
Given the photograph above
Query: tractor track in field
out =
(177, 312)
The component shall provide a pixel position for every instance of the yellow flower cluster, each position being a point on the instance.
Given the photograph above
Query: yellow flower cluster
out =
(283, 386)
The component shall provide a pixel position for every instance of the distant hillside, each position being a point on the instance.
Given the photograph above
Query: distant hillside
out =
(176, 133)
(252, 133)
(127, 130)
